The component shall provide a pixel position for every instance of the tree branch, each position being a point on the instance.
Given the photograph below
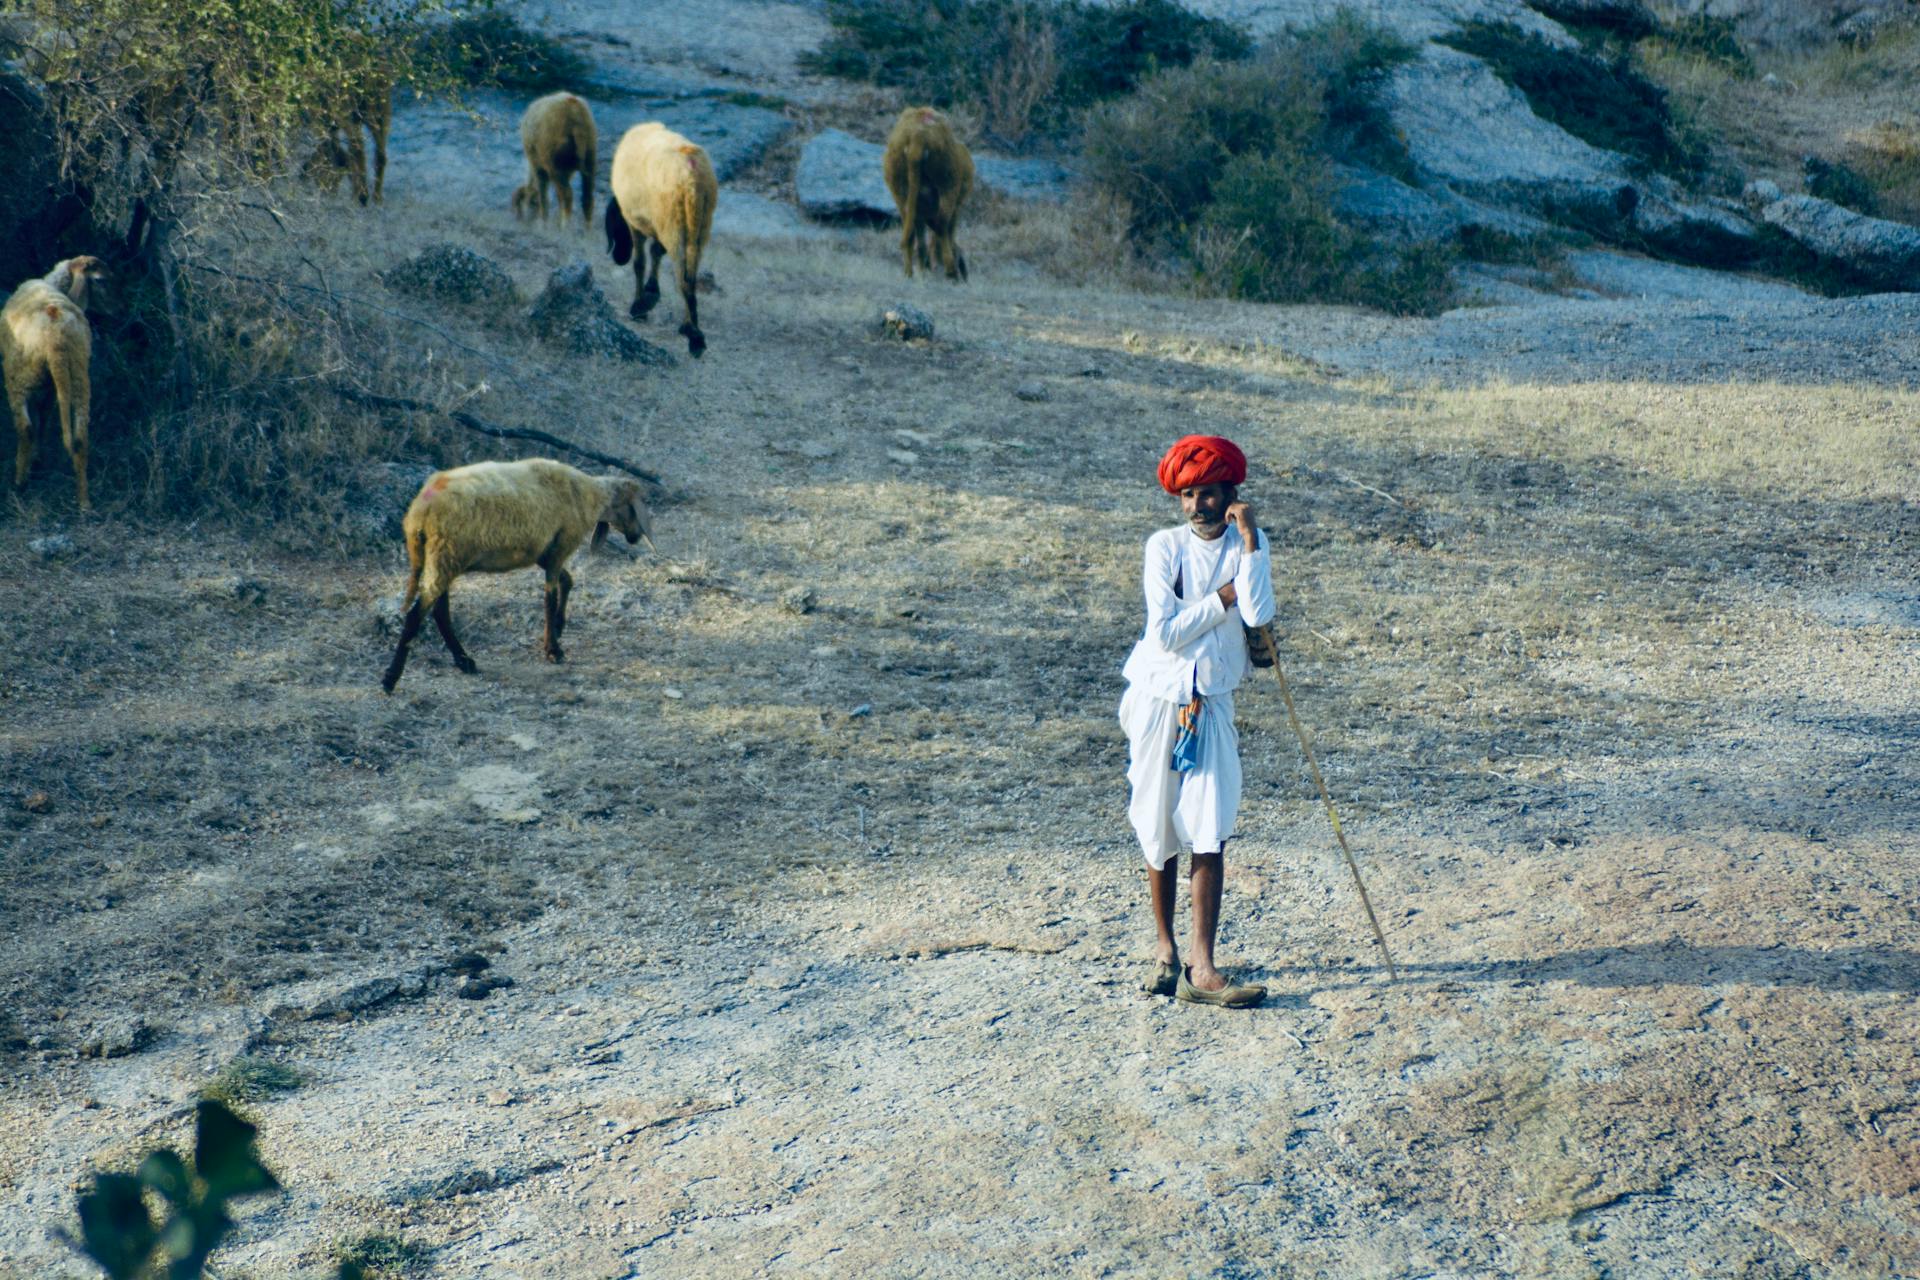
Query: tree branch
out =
(485, 428)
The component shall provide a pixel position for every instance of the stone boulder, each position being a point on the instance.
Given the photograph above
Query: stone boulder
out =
(453, 273)
(1467, 129)
(1708, 232)
(1390, 209)
(1878, 253)
(840, 177)
(574, 316)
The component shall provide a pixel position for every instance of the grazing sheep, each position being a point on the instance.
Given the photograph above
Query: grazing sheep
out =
(930, 172)
(44, 340)
(490, 517)
(558, 137)
(664, 192)
(366, 105)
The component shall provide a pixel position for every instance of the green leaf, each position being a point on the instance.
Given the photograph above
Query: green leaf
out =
(166, 1172)
(115, 1225)
(223, 1155)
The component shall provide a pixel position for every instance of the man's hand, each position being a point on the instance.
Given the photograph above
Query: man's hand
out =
(1241, 513)
(1228, 596)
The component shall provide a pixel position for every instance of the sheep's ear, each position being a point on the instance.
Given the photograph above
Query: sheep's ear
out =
(599, 535)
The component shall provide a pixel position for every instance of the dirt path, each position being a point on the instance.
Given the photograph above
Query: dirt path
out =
(809, 868)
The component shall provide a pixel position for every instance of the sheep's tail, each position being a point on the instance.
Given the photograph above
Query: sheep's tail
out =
(74, 395)
(416, 560)
(619, 234)
(910, 215)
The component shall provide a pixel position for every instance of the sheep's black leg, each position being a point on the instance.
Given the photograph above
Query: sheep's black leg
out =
(565, 581)
(646, 278)
(408, 630)
(443, 619)
(696, 341)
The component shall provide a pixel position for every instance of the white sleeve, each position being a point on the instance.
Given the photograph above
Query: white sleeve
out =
(1253, 584)
(1172, 626)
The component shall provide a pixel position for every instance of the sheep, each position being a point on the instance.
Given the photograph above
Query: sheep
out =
(664, 192)
(930, 173)
(366, 104)
(490, 517)
(44, 339)
(558, 137)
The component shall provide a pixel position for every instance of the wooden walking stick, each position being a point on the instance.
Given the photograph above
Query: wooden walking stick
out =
(1261, 638)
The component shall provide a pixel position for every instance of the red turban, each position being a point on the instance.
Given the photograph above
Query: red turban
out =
(1198, 460)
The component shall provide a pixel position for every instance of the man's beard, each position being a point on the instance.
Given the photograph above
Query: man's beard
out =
(1208, 524)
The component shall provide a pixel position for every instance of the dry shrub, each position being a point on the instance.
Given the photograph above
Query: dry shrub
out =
(1887, 157)
(1022, 79)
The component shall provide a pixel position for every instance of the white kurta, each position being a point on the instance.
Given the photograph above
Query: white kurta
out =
(1192, 644)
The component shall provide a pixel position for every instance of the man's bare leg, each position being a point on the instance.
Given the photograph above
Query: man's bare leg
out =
(1163, 886)
(1209, 869)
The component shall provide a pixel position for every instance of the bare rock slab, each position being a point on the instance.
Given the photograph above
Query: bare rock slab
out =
(1878, 253)
(1409, 19)
(574, 315)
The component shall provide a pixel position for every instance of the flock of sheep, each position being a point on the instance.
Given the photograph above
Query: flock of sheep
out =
(490, 517)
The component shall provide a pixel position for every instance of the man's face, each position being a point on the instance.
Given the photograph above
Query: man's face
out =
(1205, 507)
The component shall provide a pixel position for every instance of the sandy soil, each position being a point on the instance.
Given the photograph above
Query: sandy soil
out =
(810, 867)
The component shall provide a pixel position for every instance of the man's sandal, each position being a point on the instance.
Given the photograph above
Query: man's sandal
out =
(1231, 996)
(1165, 979)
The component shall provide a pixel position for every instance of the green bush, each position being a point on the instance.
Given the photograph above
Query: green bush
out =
(1023, 65)
(249, 1079)
(1600, 98)
(1707, 36)
(491, 48)
(1228, 166)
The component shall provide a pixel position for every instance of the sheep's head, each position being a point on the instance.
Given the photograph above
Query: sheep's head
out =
(79, 278)
(628, 512)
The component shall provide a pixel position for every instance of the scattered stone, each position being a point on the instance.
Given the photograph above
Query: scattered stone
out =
(235, 587)
(468, 963)
(673, 693)
(480, 986)
(54, 544)
(502, 792)
(37, 802)
(811, 450)
(864, 709)
(1032, 392)
(575, 316)
(453, 273)
(117, 1037)
(798, 600)
(500, 1098)
(905, 457)
(909, 324)
(1091, 371)
(318, 1002)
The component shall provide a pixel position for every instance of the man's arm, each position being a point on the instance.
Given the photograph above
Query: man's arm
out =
(1175, 627)
(1253, 582)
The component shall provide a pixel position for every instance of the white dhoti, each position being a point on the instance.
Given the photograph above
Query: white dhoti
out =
(1169, 808)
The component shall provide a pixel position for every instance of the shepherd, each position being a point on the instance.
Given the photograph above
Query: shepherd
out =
(1207, 580)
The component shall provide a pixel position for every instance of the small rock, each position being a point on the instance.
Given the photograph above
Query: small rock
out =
(37, 802)
(117, 1038)
(54, 544)
(909, 324)
(864, 709)
(572, 314)
(235, 587)
(453, 273)
(480, 986)
(705, 283)
(468, 963)
(905, 457)
(1032, 392)
(799, 600)
(673, 693)
(500, 1098)
(1092, 371)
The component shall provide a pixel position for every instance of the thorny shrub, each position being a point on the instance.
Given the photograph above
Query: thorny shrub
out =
(165, 124)
(1229, 167)
(1023, 66)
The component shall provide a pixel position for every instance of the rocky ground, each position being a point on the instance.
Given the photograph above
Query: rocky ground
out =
(808, 872)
